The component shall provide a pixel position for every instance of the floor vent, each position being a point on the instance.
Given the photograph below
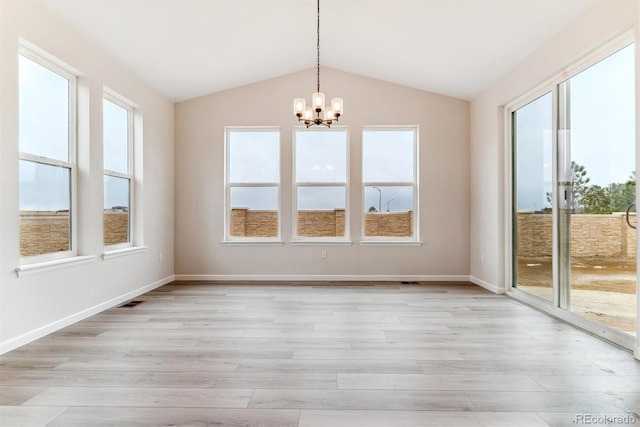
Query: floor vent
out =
(410, 283)
(130, 304)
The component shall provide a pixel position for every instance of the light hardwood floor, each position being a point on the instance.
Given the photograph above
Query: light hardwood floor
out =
(347, 354)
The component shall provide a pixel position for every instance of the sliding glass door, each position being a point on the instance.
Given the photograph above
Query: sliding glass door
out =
(573, 199)
(599, 261)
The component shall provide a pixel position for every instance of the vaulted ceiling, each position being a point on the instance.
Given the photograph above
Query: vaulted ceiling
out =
(189, 48)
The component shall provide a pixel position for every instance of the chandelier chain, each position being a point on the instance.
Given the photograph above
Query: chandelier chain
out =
(318, 113)
(318, 48)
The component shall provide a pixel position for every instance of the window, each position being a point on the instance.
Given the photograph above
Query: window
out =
(389, 183)
(253, 184)
(47, 170)
(321, 188)
(117, 140)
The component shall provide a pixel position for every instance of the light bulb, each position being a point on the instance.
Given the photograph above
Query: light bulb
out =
(299, 105)
(337, 105)
(318, 101)
(328, 114)
(308, 113)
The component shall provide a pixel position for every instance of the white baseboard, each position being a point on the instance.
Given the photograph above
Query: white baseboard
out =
(28, 337)
(488, 286)
(320, 278)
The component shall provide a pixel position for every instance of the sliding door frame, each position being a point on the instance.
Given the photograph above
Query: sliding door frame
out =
(553, 307)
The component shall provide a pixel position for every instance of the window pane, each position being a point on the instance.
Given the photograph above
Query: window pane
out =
(598, 247)
(43, 111)
(45, 203)
(388, 211)
(532, 231)
(321, 198)
(602, 111)
(115, 131)
(254, 197)
(254, 157)
(116, 218)
(321, 211)
(254, 212)
(321, 156)
(387, 156)
(388, 199)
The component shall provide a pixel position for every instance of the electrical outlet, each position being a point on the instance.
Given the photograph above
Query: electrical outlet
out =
(160, 257)
(323, 254)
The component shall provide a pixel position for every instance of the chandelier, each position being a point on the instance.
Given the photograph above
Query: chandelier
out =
(318, 113)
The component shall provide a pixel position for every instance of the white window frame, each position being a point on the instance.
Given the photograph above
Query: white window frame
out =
(228, 185)
(346, 184)
(414, 238)
(70, 164)
(120, 101)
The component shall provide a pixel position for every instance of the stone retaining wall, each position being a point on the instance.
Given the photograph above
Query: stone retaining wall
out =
(592, 236)
(605, 236)
(46, 232)
(116, 227)
(319, 223)
(388, 224)
(43, 232)
(250, 223)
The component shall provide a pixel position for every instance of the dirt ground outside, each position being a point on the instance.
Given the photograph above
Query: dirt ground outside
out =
(603, 290)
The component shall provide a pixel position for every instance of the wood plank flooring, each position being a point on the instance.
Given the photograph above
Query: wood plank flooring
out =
(341, 354)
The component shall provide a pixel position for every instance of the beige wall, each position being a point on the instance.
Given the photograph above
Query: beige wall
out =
(600, 24)
(443, 211)
(40, 302)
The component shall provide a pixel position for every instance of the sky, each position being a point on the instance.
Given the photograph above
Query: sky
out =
(115, 139)
(388, 157)
(321, 158)
(601, 136)
(255, 157)
(44, 132)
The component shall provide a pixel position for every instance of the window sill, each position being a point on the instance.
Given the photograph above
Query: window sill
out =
(252, 242)
(320, 242)
(123, 252)
(41, 267)
(390, 243)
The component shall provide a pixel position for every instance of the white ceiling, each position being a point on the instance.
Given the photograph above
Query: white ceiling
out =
(189, 48)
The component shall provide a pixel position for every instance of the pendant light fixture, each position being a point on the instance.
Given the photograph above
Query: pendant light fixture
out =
(318, 113)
